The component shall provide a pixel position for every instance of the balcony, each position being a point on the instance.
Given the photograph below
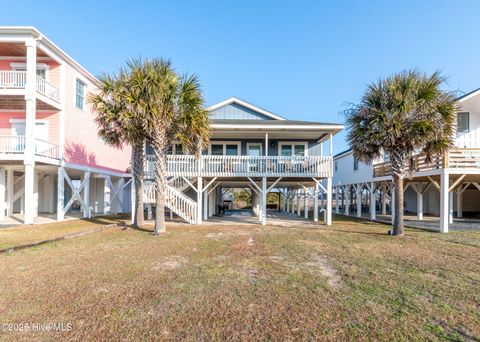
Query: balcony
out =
(456, 158)
(17, 80)
(243, 166)
(14, 147)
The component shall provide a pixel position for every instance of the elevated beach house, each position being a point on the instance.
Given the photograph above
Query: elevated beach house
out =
(445, 188)
(250, 148)
(52, 162)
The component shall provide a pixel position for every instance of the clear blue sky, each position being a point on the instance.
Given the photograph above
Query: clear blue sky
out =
(301, 59)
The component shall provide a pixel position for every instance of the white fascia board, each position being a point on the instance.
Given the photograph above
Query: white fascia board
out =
(247, 105)
(468, 97)
(278, 127)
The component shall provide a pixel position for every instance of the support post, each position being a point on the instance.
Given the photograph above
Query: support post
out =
(149, 211)
(205, 205)
(358, 199)
(460, 202)
(337, 208)
(384, 199)
(264, 201)
(450, 207)
(373, 202)
(10, 192)
(420, 205)
(107, 192)
(199, 199)
(29, 194)
(86, 195)
(305, 204)
(315, 203)
(3, 188)
(298, 203)
(347, 200)
(392, 205)
(444, 187)
(329, 198)
(60, 194)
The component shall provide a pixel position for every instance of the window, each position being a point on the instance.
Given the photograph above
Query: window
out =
(175, 149)
(463, 122)
(293, 149)
(336, 165)
(231, 150)
(80, 94)
(224, 148)
(217, 150)
(355, 164)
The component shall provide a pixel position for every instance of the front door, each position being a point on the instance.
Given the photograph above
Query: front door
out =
(254, 150)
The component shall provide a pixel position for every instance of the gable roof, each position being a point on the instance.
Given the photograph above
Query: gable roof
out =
(245, 104)
(468, 95)
(343, 153)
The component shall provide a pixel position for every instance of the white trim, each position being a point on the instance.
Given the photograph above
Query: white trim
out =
(236, 100)
(306, 127)
(96, 170)
(225, 143)
(292, 143)
(254, 144)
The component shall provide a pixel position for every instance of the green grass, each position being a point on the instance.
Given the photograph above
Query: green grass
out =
(347, 282)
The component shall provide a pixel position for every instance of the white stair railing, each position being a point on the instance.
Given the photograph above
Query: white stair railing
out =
(178, 202)
(46, 88)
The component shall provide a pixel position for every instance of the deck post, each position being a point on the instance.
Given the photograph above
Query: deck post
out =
(2, 194)
(29, 209)
(444, 185)
(459, 202)
(298, 203)
(305, 203)
(384, 199)
(315, 203)
(107, 194)
(264, 201)
(292, 209)
(373, 202)
(358, 199)
(420, 206)
(288, 203)
(205, 205)
(337, 208)
(392, 205)
(329, 200)
(450, 207)
(346, 193)
(10, 192)
(86, 196)
(149, 211)
(199, 199)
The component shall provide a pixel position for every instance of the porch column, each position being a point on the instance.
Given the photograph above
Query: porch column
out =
(264, 201)
(2, 194)
(60, 194)
(149, 211)
(29, 209)
(199, 199)
(460, 202)
(444, 184)
(298, 203)
(346, 193)
(420, 205)
(49, 187)
(305, 203)
(205, 205)
(329, 200)
(315, 202)
(266, 144)
(288, 203)
(10, 192)
(86, 195)
(358, 198)
(373, 202)
(450, 207)
(106, 195)
(292, 202)
(337, 208)
(35, 193)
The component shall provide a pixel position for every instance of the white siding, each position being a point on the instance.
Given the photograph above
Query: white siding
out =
(345, 173)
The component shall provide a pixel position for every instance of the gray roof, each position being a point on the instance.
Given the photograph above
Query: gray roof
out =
(342, 153)
(272, 122)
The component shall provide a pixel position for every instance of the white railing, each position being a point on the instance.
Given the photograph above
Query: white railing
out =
(12, 79)
(49, 90)
(17, 145)
(175, 200)
(247, 166)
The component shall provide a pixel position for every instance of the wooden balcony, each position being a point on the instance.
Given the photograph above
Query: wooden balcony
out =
(14, 80)
(243, 166)
(456, 158)
(13, 147)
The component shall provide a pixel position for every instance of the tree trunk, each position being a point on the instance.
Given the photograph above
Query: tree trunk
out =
(138, 177)
(398, 219)
(159, 146)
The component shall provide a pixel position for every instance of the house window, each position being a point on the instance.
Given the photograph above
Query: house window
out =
(463, 122)
(175, 149)
(79, 94)
(336, 165)
(224, 148)
(293, 149)
(355, 164)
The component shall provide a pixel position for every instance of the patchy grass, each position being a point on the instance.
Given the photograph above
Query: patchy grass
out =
(10, 237)
(347, 282)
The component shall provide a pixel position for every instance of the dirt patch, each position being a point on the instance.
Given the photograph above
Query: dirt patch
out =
(171, 264)
(250, 242)
(322, 264)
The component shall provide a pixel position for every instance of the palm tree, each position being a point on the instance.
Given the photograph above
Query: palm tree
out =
(119, 117)
(400, 116)
(174, 112)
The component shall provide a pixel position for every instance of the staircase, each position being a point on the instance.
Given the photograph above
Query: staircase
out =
(175, 200)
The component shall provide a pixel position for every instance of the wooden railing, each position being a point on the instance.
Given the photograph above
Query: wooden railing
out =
(246, 166)
(17, 80)
(466, 158)
(17, 144)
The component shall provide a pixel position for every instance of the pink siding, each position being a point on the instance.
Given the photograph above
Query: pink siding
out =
(53, 69)
(82, 144)
(51, 117)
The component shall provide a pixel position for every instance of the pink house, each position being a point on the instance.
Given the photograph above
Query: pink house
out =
(52, 161)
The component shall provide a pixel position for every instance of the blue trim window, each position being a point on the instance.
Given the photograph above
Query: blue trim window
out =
(79, 94)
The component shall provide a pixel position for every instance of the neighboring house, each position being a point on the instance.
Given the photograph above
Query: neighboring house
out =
(51, 158)
(447, 185)
(249, 148)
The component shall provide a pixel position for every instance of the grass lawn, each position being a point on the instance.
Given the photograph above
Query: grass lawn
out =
(347, 282)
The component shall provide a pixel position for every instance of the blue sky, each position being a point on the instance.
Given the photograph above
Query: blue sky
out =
(305, 60)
